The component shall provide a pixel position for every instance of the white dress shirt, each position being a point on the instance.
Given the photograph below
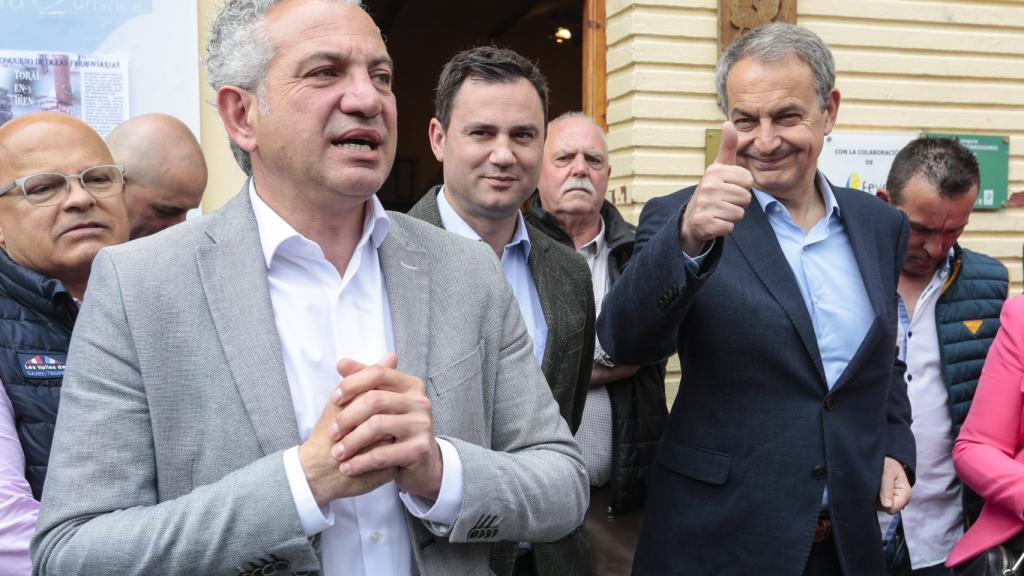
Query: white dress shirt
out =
(321, 317)
(595, 432)
(515, 265)
(933, 521)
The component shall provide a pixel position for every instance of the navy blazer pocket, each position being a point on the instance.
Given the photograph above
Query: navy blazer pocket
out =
(695, 462)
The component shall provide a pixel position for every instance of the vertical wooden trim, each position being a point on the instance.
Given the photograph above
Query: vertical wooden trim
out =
(595, 84)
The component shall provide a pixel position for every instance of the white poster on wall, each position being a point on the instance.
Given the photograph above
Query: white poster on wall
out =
(93, 88)
(155, 42)
(860, 160)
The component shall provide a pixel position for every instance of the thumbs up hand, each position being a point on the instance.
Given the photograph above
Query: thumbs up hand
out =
(720, 200)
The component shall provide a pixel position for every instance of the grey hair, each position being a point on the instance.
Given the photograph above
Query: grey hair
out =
(577, 115)
(239, 51)
(773, 42)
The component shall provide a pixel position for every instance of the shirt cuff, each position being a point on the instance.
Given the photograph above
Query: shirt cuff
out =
(602, 357)
(445, 510)
(314, 519)
(694, 262)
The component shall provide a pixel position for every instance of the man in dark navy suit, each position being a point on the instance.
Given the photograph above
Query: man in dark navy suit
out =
(778, 290)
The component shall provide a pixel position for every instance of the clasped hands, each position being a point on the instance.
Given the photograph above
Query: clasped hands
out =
(377, 427)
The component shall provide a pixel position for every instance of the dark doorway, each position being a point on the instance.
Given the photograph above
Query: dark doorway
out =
(421, 36)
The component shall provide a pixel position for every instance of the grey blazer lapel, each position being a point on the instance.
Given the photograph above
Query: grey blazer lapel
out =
(756, 240)
(234, 277)
(407, 281)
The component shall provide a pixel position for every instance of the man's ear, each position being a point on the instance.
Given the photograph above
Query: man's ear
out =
(3, 239)
(239, 112)
(435, 132)
(883, 194)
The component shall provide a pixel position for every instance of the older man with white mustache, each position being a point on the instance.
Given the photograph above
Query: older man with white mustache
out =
(625, 409)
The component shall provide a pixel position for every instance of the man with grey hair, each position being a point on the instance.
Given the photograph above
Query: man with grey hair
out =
(625, 411)
(205, 367)
(167, 172)
(778, 290)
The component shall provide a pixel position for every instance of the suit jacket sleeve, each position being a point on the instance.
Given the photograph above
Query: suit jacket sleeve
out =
(641, 315)
(987, 449)
(530, 484)
(586, 356)
(98, 520)
(901, 445)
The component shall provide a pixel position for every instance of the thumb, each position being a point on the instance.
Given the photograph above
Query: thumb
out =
(887, 492)
(727, 149)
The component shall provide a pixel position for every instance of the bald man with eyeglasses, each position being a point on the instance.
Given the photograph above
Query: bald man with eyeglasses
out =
(61, 201)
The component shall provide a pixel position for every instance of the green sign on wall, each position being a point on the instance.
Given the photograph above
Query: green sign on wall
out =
(993, 154)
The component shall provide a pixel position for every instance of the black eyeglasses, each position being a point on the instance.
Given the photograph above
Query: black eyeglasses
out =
(44, 189)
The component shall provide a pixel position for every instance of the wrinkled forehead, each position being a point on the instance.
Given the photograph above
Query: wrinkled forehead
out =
(573, 135)
(49, 145)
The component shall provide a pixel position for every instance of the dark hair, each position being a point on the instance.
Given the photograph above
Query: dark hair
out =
(943, 162)
(490, 64)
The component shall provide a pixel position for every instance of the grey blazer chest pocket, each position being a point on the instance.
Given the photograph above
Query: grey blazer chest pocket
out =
(456, 393)
(695, 462)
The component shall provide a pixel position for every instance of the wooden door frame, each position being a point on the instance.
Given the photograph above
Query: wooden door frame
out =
(595, 46)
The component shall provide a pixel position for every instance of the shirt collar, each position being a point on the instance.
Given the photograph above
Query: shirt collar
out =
(452, 222)
(766, 200)
(947, 266)
(277, 235)
(597, 244)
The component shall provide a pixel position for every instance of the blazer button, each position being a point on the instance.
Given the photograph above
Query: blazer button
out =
(819, 471)
(829, 402)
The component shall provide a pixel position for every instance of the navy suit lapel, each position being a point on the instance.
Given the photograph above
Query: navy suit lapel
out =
(756, 241)
(865, 245)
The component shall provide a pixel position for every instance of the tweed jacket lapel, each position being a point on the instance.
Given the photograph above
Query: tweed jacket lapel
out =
(549, 284)
(755, 239)
(234, 277)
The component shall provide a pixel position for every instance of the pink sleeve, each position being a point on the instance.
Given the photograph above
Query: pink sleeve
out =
(18, 510)
(989, 440)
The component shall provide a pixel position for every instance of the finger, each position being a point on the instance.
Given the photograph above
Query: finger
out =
(388, 455)
(358, 377)
(361, 408)
(377, 429)
(730, 141)
(347, 367)
(886, 493)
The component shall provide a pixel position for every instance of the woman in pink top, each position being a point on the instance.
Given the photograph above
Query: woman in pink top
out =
(988, 454)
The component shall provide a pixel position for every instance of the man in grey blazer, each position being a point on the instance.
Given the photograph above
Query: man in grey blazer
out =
(202, 427)
(488, 131)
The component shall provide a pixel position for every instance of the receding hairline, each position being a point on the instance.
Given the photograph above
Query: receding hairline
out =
(581, 117)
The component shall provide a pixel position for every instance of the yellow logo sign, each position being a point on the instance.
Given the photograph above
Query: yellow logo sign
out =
(973, 325)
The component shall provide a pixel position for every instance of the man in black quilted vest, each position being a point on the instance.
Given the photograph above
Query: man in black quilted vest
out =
(60, 202)
(950, 299)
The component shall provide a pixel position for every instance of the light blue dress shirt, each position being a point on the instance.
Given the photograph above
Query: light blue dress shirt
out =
(826, 271)
(514, 262)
